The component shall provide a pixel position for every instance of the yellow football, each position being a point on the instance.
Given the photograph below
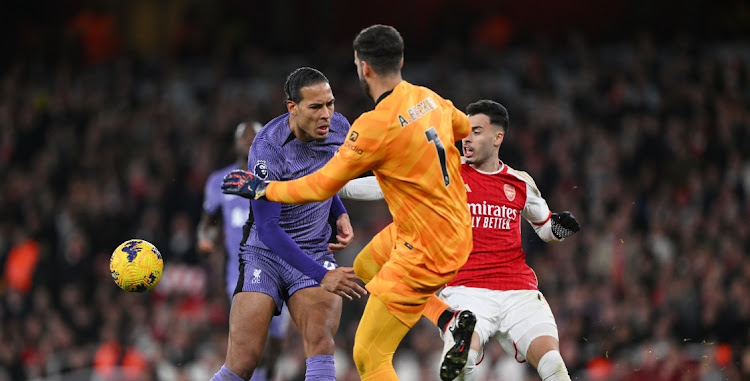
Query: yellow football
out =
(136, 265)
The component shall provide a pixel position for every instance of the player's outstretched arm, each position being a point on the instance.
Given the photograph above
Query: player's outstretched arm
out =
(557, 227)
(267, 216)
(243, 183)
(547, 225)
(317, 186)
(362, 189)
(207, 233)
(564, 225)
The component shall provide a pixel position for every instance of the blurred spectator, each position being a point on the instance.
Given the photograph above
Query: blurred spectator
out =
(647, 142)
(21, 265)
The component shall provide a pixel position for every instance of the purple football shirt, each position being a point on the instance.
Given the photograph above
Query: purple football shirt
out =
(235, 211)
(276, 154)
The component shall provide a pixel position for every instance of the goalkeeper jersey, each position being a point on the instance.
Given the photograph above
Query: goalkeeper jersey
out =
(407, 141)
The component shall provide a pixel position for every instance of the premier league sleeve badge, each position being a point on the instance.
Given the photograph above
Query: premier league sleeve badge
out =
(261, 169)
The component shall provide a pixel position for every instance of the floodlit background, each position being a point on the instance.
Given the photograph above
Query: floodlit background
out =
(634, 115)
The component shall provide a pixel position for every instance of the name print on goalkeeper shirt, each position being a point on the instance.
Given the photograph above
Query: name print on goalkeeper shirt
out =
(417, 111)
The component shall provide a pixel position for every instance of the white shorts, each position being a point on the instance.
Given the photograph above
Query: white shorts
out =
(514, 317)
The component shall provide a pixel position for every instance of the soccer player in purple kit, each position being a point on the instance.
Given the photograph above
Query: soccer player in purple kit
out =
(287, 255)
(235, 211)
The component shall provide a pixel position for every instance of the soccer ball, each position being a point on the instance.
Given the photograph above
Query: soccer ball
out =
(136, 265)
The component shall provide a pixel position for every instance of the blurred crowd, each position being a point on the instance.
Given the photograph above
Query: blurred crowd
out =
(647, 143)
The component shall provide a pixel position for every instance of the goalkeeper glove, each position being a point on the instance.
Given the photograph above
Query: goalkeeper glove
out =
(242, 183)
(564, 225)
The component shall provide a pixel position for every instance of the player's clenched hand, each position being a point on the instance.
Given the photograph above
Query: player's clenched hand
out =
(242, 183)
(343, 282)
(345, 233)
(564, 225)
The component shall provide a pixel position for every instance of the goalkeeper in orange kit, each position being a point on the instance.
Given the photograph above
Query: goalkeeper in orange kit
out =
(407, 141)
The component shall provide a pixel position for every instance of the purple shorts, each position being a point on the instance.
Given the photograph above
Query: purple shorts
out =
(279, 323)
(263, 271)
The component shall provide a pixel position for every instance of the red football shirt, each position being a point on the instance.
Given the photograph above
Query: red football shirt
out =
(497, 201)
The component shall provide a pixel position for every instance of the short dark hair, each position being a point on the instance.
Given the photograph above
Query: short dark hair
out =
(299, 78)
(495, 111)
(382, 47)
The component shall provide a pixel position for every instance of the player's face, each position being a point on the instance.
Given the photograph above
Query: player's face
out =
(314, 112)
(362, 80)
(243, 139)
(483, 142)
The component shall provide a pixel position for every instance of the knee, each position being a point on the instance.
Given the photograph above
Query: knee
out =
(538, 348)
(319, 343)
(242, 366)
(368, 362)
(361, 359)
(552, 367)
(243, 357)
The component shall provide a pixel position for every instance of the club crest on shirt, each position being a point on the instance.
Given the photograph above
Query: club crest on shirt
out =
(510, 192)
(261, 169)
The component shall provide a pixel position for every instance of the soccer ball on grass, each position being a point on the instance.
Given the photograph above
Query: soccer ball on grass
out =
(136, 265)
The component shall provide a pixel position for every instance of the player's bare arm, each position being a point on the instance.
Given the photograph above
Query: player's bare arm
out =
(208, 233)
(345, 233)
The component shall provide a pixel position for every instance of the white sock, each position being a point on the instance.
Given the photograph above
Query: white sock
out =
(468, 374)
(552, 367)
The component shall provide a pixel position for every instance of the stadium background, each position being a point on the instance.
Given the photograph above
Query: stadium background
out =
(632, 114)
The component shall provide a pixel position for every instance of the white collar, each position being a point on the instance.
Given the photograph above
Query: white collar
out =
(502, 165)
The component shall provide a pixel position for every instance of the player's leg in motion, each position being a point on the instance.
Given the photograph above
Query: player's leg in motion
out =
(378, 335)
(469, 371)
(544, 355)
(528, 328)
(372, 257)
(400, 292)
(316, 312)
(249, 317)
(373, 355)
(276, 334)
(456, 329)
(277, 331)
(484, 308)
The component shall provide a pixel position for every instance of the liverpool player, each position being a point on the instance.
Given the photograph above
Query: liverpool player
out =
(286, 258)
(232, 212)
(407, 142)
(496, 283)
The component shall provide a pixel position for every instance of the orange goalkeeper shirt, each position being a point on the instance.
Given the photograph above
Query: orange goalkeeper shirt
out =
(407, 141)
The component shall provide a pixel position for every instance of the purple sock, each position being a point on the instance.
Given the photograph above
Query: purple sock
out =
(320, 368)
(259, 375)
(224, 374)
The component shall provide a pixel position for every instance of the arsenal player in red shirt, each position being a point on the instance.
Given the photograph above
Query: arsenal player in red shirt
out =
(496, 283)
